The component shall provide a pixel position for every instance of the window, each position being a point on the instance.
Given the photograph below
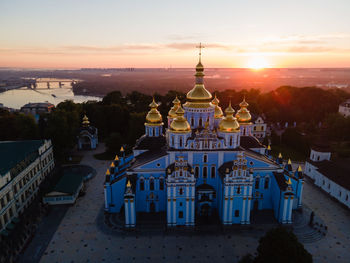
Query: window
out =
(346, 198)
(318, 158)
(212, 174)
(236, 213)
(161, 184)
(142, 184)
(200, 122)
(205, 172)
(230, 140)
(181, 191)
(192, 121)
(238, 190)
(181, 214)
(257, 182)
(180, 203)
(323, 182)
(172, 140)
(267, 180)
(205, 158)
(196, 172)
(180, 141)
(340, 193)
(151, 184)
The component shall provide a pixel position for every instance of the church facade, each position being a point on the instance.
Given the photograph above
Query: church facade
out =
(205, 163)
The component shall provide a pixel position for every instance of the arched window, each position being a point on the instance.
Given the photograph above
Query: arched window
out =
(212, 174)
(236, 213)
(230, 140)
(196, 172)
(205, 172)
(181, 191)
(161, 184)
(200, 122)
(192, 121)
(150, 132)
(257, 183)
(266, 184)
(181, 214)
(142, 184)
(172, 140)
(205, 158)
(346, 198)
(238, 190)
(151, 184)
(180, 141)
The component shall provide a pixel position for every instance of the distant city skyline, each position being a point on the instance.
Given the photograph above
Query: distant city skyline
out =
(107, 33)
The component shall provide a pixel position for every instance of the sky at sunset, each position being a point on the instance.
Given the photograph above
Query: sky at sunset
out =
(113, 33)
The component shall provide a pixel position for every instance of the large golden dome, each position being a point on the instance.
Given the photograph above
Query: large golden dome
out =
(243, 114)
(199, 93)
(180, 123)
(153, 116)
(229, 123)
(172, 112)
(218, 114)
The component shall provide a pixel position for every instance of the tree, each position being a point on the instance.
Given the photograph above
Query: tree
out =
(114, 142)
(281, 245)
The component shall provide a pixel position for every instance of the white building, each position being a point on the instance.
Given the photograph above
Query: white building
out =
(23, 166)
(259, 127)
(344, 108)
(333, 177)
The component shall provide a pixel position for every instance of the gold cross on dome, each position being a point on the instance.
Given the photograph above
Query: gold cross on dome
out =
(200, 50)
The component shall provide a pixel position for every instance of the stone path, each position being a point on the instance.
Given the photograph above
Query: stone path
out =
(83, 237)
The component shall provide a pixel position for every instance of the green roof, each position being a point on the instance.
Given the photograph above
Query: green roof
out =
(69, 183)
(13, 152)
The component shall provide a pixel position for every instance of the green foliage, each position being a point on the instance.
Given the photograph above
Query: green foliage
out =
(295, 140)
(247, 259)
(114, 142)
(17, 126)
(281, 245)
(337, 127)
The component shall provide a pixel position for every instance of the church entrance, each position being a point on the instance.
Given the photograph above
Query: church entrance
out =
(256, 205)
(86, 143)
(206, 212)
(152, 207)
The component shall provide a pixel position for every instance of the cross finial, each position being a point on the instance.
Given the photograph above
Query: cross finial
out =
(200, 50)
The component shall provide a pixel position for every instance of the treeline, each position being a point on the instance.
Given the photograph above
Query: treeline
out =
(120, 119)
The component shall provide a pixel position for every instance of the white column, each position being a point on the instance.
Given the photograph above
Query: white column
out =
(169, 205)
(192, 207)
(231, 204)
(225, 205)
(290, 210)
(244, 204)
(284, 215)
(132, 214)
(174, 205)
(249, 204)
(106, 203)
(187, 205)
(301, 193)
(126, 207)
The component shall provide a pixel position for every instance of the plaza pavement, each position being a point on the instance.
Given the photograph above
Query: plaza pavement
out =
(81, 238)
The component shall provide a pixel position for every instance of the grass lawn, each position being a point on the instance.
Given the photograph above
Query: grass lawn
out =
(288, 152)
(104, 156)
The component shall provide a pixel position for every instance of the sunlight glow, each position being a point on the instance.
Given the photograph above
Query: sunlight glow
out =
(258, 62)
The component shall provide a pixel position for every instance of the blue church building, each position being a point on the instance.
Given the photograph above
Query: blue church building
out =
(205, 163)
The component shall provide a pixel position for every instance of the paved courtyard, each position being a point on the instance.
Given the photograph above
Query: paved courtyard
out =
(82, 236)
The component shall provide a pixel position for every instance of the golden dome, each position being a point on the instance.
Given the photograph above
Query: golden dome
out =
(199, 93)
(218, 111)
(243, 114)
(153, 116)
(180, 123)
(172, 112)
(86, 121)
(229, 123)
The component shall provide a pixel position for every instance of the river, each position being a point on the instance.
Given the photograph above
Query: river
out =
(16, 98)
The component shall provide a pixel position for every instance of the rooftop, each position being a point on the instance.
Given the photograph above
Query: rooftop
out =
(337, 171)
(69, 183)
(13, 152)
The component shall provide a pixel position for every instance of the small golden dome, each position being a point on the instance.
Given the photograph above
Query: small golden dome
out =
(116, 158)
(153, 116)
(107, 172)
(243, 114)
(172, 112)
(299, 169)
(218, 111)
(86, 121)
(112, 165)
(128, 184)
(180, 123)
(199, 67)
(229, 123)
